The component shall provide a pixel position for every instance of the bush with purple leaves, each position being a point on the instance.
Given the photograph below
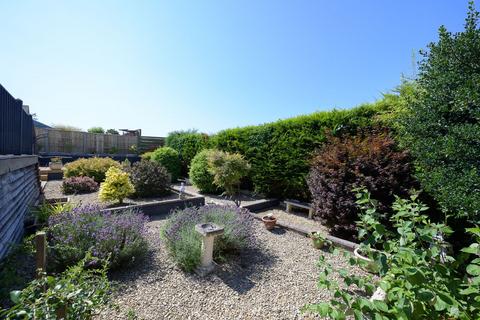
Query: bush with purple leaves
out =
(184, 243)
(76, 185)
(118, 236)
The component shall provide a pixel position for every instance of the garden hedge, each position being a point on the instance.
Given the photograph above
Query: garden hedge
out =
(188, 144)
(279, 152)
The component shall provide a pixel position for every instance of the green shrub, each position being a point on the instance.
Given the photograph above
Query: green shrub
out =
(80, 291)
(188, 144)
(117, 186)
(149, 179)
(46, 210)
(418, 276)
(96, 130)
(442, 127)
(279, 152)
(112, 131)
(147, 155)
(199, 172)
(184, 243)
(168, 158)
(94, 168)
(227, 169)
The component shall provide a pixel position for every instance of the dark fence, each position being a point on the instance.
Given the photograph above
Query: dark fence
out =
(17, 135)
(146, 143)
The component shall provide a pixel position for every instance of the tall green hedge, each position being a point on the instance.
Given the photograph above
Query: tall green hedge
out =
(279, 152)
(187, 143)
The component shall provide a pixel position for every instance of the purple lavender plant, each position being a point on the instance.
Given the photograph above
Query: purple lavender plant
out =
(119, 236)
(184, 242)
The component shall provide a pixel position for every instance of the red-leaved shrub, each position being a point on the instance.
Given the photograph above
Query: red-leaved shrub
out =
(79, 185)
(369, 159)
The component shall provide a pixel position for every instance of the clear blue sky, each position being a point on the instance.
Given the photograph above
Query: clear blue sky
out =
(210, 65)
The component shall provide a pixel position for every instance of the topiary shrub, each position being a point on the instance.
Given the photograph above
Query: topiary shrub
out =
(188, 144)
(199, 172)
(119, 236)
(117, 186)
(442, 125)
(94, 168)
(74, 185)
(184, 243)
(149, 178)
(370, 160)
(168, 158)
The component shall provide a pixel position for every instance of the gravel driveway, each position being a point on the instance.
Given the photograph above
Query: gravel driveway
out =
(272, 280)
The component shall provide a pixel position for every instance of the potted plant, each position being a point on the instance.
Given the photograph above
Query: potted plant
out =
(269, 221)
(55, 163)
(362, 256)
(318, 240)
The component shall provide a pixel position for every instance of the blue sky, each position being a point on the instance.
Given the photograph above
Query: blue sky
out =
(168, 65)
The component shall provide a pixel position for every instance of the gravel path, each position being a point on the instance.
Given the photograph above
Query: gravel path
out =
(272, 280)
(53, 190)
(297, 217)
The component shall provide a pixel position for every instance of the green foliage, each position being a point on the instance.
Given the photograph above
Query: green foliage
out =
(184, 243)
(78, 290)
(64, 127)
(227, 170)
(45, 210)
(147, 155)
(419, 278)
(169, 158)
(199, 172)
(279, 152)
(117, 186)
(92, 167)
(96, 130)
(111, 131)
(149, 179)
(188, 144)
(442, 127)
(16, 269)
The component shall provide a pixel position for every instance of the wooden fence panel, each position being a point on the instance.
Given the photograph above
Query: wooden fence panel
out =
(61, 141)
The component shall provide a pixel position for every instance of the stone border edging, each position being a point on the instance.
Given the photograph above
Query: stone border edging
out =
(349, 245)
(162, 207)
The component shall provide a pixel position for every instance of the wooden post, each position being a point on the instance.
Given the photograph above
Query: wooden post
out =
(41, 254)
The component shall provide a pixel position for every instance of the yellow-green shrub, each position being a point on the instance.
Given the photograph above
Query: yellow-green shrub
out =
(94, 168)
(117, 186)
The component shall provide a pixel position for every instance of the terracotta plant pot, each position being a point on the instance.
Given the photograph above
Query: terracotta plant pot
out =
(269, 221)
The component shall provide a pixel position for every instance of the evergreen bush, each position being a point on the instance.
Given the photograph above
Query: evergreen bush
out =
(169, 158)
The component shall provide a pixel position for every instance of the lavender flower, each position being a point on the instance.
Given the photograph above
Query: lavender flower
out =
(119, 236)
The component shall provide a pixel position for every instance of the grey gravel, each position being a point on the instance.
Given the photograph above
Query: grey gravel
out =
(272, 280)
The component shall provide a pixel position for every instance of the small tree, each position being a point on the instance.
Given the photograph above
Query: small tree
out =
(96, 130)
(228, 169)
(117, 186)
(442, 126)
(112, 131)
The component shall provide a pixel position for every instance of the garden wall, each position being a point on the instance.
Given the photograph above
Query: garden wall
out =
(19, 189)
(280, 152)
